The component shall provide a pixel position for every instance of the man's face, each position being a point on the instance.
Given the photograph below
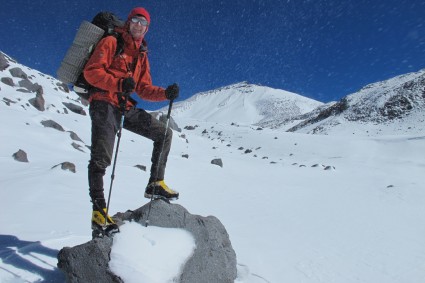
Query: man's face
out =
(138, 27)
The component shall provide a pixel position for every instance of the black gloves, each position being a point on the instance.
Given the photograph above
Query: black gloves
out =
(172, 91)
(128, 85)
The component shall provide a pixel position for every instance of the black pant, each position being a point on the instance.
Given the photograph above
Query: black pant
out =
(106, 120)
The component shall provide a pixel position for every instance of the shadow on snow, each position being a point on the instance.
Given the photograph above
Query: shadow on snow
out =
(16, 252)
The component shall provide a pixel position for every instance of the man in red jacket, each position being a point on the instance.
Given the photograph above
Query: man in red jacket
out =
(115, 76)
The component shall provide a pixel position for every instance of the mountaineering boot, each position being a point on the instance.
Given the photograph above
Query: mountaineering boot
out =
(159, 189)
(100, 226)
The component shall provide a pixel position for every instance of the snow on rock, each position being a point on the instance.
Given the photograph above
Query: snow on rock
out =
(150, 254)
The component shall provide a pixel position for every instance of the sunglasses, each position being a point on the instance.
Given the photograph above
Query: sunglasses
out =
(140, 21)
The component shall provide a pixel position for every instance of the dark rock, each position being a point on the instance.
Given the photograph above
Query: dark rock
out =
(38, 102)
(4, 63)
(396, 107)
(190, 128)
(66, 166)
(141, 167)
(20, 156)
(185, 156)
(7, 100)
(52, 124)
(329, 168)
(333, 110)
(8, 81)
(77, 146)
(75, 108)
(74, 136)
(18, 73)
(88, 262)
(25, 83)
(217, 161)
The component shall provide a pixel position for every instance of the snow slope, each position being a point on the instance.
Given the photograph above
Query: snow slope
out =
(297, 207)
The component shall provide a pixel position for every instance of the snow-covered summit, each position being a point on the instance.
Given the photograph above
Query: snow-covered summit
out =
(244, 103)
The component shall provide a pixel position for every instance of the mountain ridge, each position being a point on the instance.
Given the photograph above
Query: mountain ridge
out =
(392, 106)
(387, 107)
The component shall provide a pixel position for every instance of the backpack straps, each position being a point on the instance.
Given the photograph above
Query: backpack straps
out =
(120, 43)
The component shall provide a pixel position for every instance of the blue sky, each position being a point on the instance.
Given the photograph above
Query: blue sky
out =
(322, 49)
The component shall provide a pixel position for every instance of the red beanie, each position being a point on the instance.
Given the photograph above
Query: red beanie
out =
(139, 11)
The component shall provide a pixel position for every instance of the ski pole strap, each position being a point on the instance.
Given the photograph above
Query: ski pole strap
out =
(122, 100)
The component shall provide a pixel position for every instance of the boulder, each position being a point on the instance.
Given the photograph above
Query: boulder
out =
(7, 81)
(74, 136)
(38, 102)
(4, 63)
(213, 259)
(66, 166)
(217, 161)
(20, 156)
(18, 73)
(52, 124)
(75, 108)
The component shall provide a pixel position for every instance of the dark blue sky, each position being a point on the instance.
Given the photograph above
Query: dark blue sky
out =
(322, 49)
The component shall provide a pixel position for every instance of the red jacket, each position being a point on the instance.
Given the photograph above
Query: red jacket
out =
(105, 71)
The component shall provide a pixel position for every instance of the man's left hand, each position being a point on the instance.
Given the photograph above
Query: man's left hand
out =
(172, 91)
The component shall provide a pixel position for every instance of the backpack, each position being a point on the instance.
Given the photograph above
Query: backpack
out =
(85, 41)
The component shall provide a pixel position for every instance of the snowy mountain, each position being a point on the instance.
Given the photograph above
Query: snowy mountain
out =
(393, 106)
(297, 207)
(247, 104)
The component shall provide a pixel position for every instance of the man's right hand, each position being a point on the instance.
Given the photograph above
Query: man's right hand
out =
(128, 85)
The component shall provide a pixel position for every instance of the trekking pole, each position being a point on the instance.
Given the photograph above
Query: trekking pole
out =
(116, 153)
(159, 159)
